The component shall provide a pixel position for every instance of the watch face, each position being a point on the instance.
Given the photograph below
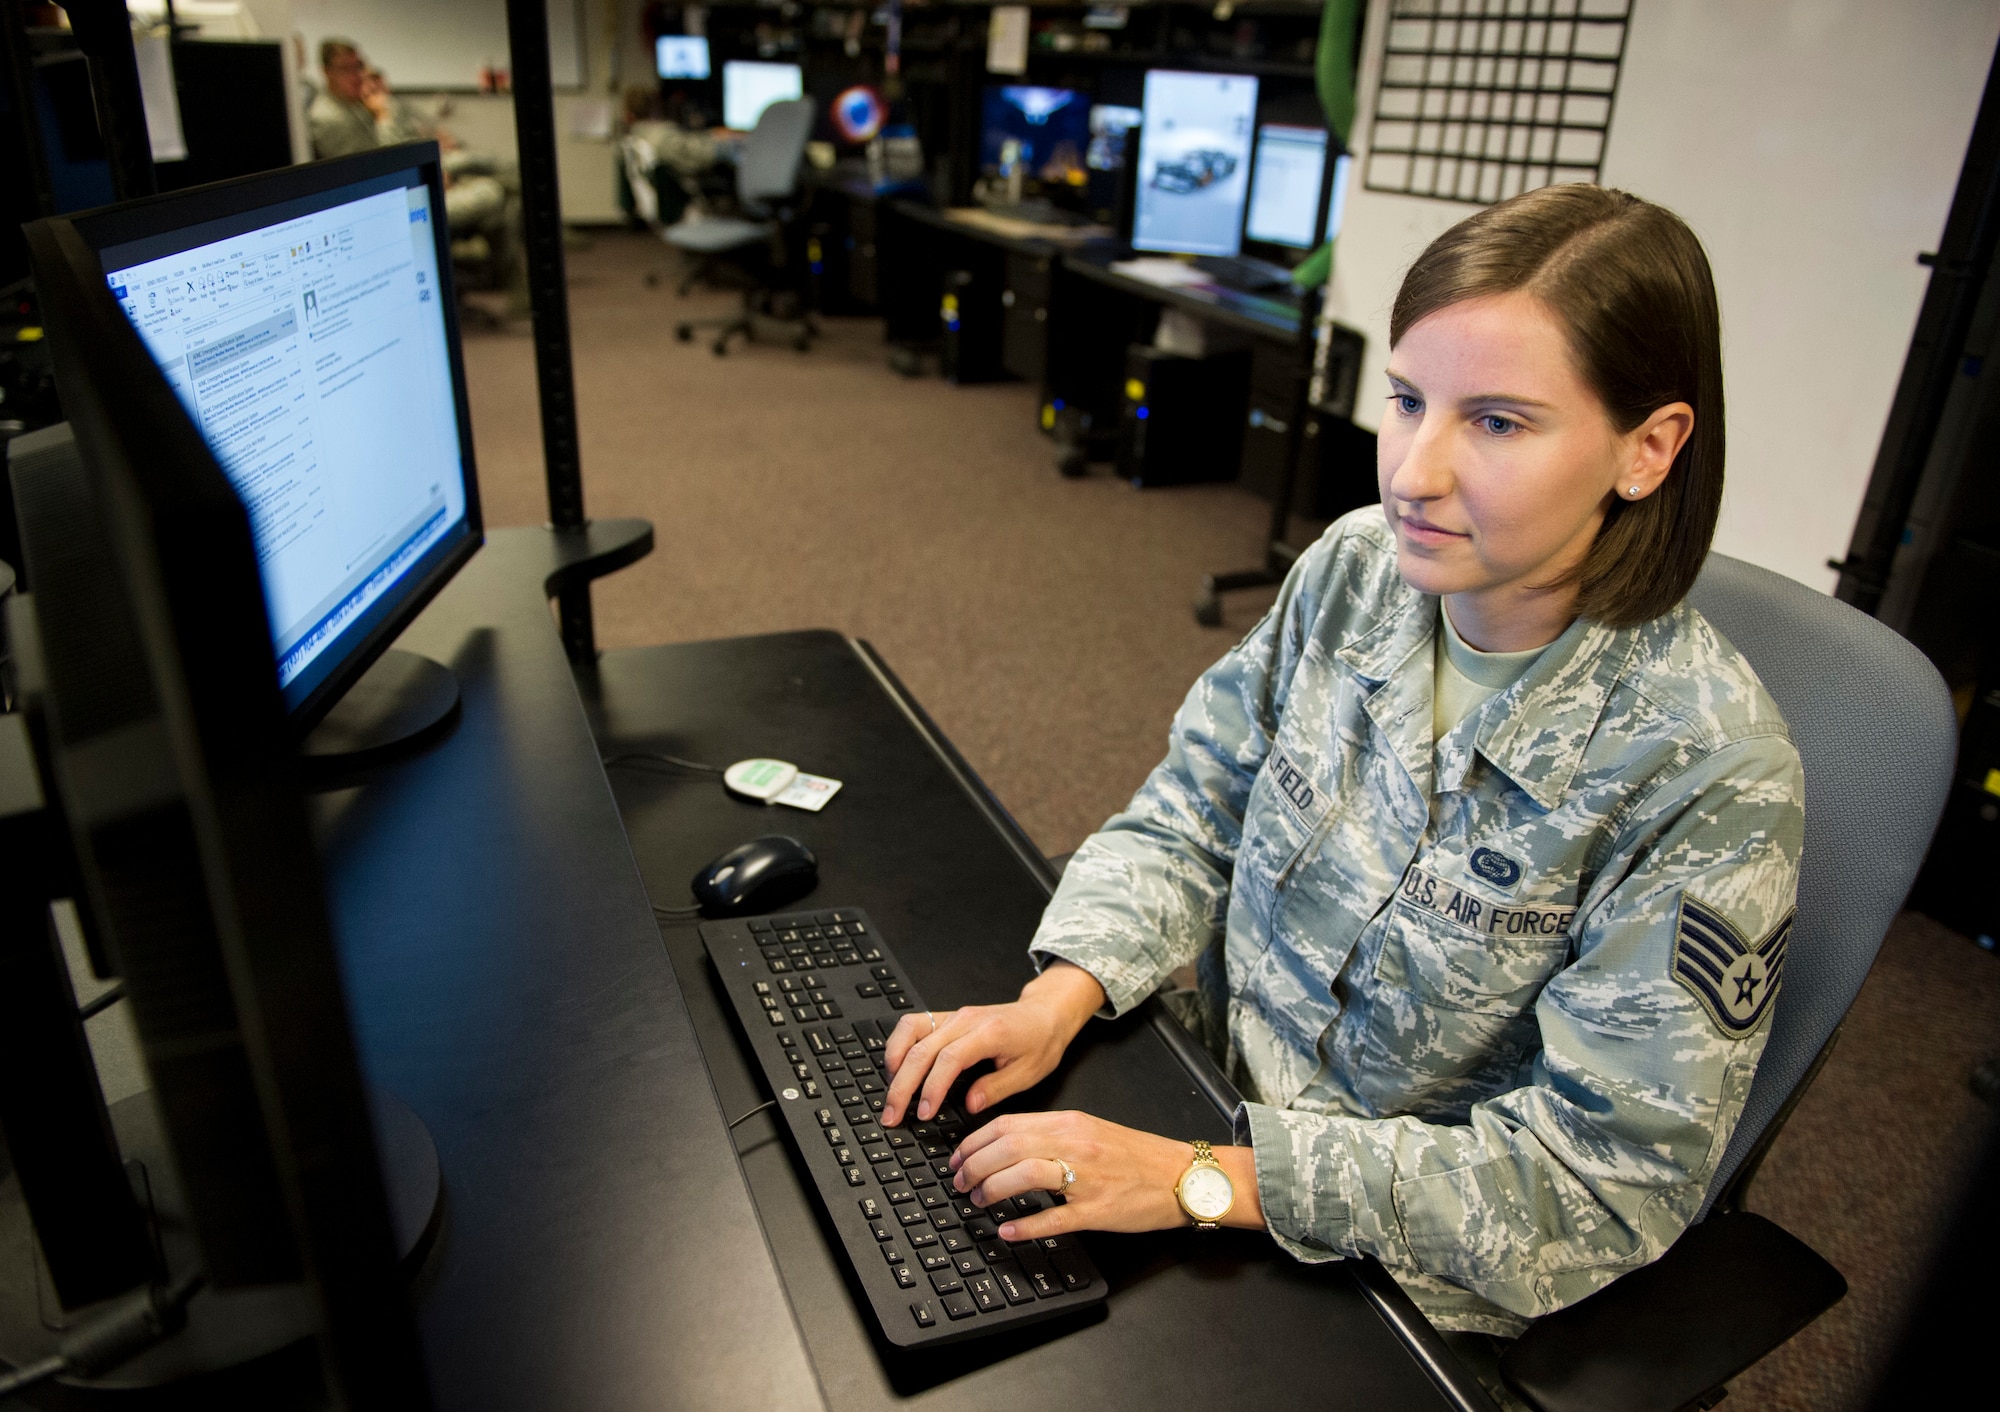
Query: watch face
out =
(1206, 1191)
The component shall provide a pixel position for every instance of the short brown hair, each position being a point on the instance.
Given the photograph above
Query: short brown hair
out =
(331, 49)
(1631, 287)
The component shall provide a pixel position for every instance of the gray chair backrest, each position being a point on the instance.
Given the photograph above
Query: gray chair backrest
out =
(769, 163)
(1877, 735)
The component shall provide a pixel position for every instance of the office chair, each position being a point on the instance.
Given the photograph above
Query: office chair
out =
(1876, 732)
(762, 236)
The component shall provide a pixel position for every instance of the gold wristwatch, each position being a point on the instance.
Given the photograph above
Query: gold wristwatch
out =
(1204, 1190)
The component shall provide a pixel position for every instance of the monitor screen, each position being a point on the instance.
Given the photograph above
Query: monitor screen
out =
(1284, 189)
(1109, 122)
(311, 345)
(1045, 130)
(749, 87)
(1336, 197)
(1194, 162)
(681, 55)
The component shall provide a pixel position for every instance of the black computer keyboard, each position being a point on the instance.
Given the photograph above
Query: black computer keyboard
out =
(817, 993)
(1241, 272)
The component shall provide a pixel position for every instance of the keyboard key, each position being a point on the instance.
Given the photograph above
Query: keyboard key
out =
(906, 1277)
(777, 1017)
(883, 1231)
(868, 1085)
(874, 1045)
(873, 1100)
(900, 1196)
(966, 1211)
(826, 1118)
(913, 1216)
(842, 1034)
(856, 1177)
(853, 1098)
(871, 953)
(923, 1314)
(812, 982)
(882, 973)
(802, 1013)
(995, 1252)
(900, 1002)
(1069, 1264)
(956, 1242)
(936, 1151)
(802, 1070)
(867, 990)
(981, 1228)
(854, 1052)
(761, 987)
(901, 1140)
(891, 988)
(878, 1154)
(960, 1306)
(923, 1240)
(779, 965)
(867, 1134)
(829, 1010)
(872, 1207)
(936, 1200)
(830, 1064)
(833, 1133)
(946, 1281)
(892, 1255)
(1013, 1284)
(844, 1156)
(891, 1175)
(789, 982)
(798, 951)
(967, 1264)
(934, 1259)
(818, 1042)
(985, 1293)
(945, 1220)
(790, 1041)
(810, 1088)
(1035, 1265)
(944, 1172)
(918, 1177)
(847, 958)
(840, 1081)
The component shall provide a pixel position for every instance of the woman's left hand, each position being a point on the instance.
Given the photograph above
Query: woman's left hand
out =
(1125, 1179)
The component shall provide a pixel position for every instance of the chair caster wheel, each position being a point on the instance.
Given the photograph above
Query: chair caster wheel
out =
(1073, 464)
(1208, 611)
(684, 333)
(721, 350)
(803, 344)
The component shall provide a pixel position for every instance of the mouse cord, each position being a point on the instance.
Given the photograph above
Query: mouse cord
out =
(675, 914)
(768, 1103)
(638, 757)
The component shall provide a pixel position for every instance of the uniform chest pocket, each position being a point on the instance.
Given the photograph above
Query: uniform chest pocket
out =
(1493, 972)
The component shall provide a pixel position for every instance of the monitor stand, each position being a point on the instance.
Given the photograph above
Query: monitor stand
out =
(225, 1327)
(399, 706)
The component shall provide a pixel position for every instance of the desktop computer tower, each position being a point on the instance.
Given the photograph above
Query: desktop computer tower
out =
(971, 326)
(1183, 417)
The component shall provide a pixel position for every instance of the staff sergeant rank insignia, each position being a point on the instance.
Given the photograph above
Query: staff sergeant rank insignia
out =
(1733, 980)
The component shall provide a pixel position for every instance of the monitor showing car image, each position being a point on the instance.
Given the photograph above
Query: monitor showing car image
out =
(1194, 162)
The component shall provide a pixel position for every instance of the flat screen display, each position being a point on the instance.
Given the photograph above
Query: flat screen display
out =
(1284, 188)
(750, 86)
(1336, 197)
(309, 343)
(681, 55)
(1045, 130)
(1109, 122)
(1194, 162)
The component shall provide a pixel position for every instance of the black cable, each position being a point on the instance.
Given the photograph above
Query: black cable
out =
(135, 1322)
(767, 1103)
(103, 1002)
(633, 757)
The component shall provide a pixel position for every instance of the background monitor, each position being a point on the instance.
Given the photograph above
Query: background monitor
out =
(1194, 162)
(306, 321)
(1049, 129)
(1285, 186)
(1109, 122)
(1336, 196)
(749, 87)
(681, 56)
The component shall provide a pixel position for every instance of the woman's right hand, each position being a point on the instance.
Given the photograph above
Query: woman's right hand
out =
(1024, 1039)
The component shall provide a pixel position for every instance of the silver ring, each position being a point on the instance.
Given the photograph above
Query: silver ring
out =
(933, 1019)
(1069, 1176)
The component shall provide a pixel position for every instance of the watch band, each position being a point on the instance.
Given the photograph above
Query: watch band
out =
(1204, 1156)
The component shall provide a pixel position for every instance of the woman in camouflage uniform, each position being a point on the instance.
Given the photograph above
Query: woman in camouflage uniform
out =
(1483, 843)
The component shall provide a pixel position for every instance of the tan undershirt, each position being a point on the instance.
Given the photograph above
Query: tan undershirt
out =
(1464, 677)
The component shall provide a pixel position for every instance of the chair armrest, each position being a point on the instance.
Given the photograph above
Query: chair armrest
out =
(1667, 1335)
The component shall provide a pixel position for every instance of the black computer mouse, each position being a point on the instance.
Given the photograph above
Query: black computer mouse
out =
(756, 876)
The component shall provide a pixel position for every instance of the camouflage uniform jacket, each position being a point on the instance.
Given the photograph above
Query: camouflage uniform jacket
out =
(1495, 1000)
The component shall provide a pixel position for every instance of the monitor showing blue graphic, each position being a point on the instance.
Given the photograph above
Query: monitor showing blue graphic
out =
(750, 86)
(311, 345)
(1194, 162)
(681, 55)
(1043, 130)
(1284, 188)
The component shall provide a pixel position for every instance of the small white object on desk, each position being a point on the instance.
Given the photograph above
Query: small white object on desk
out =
(779, 782)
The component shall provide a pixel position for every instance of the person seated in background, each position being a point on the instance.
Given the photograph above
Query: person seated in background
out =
(356, 112)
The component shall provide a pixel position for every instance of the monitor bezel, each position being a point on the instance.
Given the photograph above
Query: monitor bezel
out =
(376, 630)
(1276, 251)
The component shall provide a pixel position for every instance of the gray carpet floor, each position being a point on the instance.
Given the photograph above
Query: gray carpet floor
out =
(1044, 624)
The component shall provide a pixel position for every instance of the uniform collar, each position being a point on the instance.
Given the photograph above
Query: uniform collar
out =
(1534, 732)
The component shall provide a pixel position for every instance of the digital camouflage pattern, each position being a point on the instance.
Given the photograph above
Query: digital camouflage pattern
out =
(1481, 1037)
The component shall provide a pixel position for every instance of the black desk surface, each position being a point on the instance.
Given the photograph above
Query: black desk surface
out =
(600, 1249)
(1219, 1319)
(1275, 315)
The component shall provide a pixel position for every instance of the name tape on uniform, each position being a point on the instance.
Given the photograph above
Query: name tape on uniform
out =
(1435, 895)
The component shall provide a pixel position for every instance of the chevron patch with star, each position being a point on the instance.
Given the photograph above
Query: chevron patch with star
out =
(1733, 980)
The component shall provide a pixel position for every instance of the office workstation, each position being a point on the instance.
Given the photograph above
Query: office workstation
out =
(563, 880)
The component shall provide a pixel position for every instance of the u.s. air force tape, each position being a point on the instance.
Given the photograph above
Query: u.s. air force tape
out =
(1487, 918)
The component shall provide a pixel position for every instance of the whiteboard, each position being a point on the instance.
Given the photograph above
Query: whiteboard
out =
(436, 44)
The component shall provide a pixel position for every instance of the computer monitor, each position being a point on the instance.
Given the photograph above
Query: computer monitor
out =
(1336, 195)
(1109, 122)
(1046, 131)
(681, 56)
(1194, 162)
(1285, 186)
(750, 86)
(152, 649)
(305, 319)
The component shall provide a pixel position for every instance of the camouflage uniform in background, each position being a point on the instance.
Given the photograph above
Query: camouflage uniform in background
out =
(1495, 1000)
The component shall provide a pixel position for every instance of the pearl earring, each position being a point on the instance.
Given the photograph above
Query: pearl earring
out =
(1634, 491)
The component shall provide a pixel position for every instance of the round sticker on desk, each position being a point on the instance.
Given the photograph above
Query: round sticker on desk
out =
(761, 780)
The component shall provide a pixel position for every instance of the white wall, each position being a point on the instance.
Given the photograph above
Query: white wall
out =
(1813, 145)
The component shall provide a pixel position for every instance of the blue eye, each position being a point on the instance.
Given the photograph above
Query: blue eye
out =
(1406, 404)
(1499, 425)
